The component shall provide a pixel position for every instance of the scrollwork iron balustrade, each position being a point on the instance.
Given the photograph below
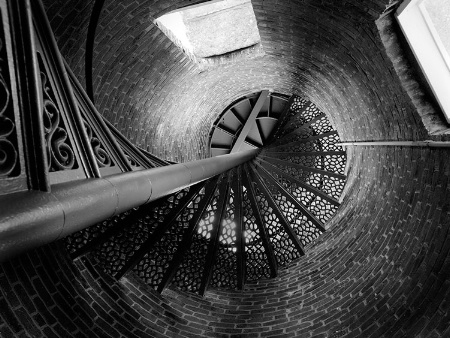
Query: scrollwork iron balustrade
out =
(9, 163)
(101, 155)
(132, 162)
(60, 153)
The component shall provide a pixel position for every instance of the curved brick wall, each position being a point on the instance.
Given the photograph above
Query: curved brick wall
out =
(382, 270)
(331, 54)
(328, 52)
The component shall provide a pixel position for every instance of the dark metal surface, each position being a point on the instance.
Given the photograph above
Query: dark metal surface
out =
(22, 165)
(9, 159)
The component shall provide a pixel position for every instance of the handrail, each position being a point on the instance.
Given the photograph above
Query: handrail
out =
(426, 143)
(34, 218)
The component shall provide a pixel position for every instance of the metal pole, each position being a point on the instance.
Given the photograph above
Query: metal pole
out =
(427, 143)
(34, 218)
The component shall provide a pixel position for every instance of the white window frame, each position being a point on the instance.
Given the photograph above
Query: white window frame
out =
(428, 49)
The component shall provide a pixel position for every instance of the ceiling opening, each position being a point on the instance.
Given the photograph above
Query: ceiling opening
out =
(212, 29)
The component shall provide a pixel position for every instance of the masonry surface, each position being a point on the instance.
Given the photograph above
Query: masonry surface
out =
(382, 270)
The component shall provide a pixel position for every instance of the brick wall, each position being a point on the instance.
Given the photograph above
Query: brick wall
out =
(382, 270)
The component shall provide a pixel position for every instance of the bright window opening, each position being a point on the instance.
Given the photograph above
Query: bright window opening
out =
(212, 29)
(426, 25)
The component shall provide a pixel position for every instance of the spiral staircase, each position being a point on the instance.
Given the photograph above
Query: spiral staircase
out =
(242, 225)
(237, 219)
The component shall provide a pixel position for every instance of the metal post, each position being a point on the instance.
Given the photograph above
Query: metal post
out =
(34, 218)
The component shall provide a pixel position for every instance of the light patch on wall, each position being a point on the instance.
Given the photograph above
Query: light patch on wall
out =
(438, 12)
(212, 29)
(425, 24)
